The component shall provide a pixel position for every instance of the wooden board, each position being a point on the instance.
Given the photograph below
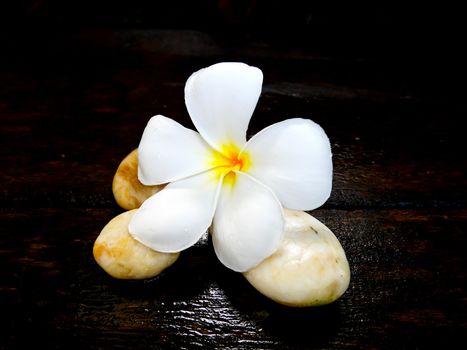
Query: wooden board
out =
(70, 113)
(408, 274)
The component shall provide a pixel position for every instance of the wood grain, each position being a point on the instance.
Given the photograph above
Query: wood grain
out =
(73, 103)
(408, 273)
(65, 131)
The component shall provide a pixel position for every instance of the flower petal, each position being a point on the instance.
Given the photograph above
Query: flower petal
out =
(176, 217)
(221, 99)
(294, 159)
(248, 224)
(169, 152)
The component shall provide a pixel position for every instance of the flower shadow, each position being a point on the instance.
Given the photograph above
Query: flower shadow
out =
(182, 281)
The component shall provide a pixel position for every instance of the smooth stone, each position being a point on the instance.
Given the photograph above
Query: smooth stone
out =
(121, 256)
(309, 269)
(128, 191)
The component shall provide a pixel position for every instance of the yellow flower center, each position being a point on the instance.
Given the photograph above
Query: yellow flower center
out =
(228, 160)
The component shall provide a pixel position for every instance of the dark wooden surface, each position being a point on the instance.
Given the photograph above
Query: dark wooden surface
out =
(74, 102)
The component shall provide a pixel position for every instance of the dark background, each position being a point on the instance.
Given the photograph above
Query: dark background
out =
(420, 44)
(80, 79)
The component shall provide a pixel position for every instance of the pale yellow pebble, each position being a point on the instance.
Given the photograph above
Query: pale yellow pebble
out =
(128, 191)
(123, 257)
(309, 269)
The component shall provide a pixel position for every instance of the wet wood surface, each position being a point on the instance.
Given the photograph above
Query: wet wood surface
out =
(73, 104)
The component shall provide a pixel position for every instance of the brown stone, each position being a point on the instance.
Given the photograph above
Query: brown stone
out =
(121, 256)
(128, 191)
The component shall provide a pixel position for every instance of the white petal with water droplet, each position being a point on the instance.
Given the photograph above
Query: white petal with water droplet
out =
(221, 99)
(294, 159)
(176, 217)
(248, 224)
(169, 152)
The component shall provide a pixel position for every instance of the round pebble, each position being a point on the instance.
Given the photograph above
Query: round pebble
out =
(121, 256)
(309, 269)
(128, 191)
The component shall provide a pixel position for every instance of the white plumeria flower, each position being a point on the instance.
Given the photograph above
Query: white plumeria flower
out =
(217, 177)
